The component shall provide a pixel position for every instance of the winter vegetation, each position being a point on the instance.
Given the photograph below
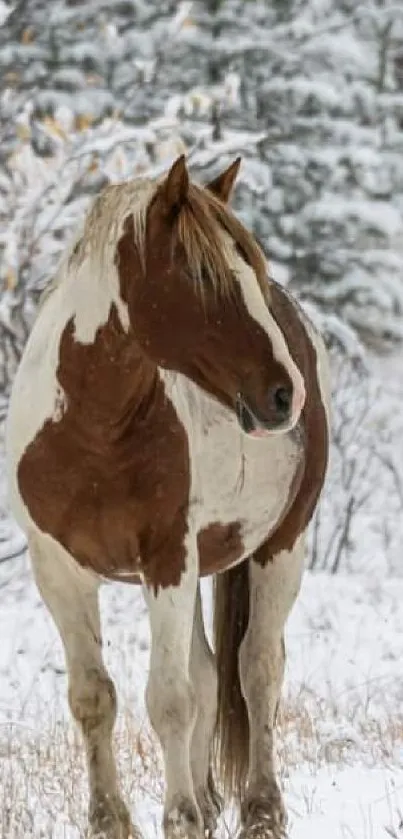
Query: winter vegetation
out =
(340, 724)
(311, 95)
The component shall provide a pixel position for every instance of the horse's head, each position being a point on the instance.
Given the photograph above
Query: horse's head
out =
(199, 301)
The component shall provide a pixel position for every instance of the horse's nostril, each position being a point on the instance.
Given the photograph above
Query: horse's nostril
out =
(282, 397)
(244, 414)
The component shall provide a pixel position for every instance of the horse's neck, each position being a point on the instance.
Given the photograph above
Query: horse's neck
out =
(196, 407)
(109, 379)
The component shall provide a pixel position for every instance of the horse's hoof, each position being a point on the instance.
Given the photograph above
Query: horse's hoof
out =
(265, 820)
(110, 819)
(263, 829)
(183, 821)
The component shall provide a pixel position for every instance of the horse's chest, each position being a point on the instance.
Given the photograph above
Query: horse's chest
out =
(245, 487)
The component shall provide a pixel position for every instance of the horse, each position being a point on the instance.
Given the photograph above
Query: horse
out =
(168, 421)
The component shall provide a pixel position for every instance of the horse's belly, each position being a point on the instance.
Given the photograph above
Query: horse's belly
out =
(244, 498)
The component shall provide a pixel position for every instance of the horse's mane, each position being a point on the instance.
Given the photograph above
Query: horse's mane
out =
(199, 228)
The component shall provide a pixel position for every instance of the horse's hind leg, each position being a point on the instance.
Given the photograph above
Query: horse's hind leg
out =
(273, 589)
(71, 595)
(203, 673)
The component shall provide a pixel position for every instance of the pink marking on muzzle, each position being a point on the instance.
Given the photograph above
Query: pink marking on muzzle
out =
(260, 432)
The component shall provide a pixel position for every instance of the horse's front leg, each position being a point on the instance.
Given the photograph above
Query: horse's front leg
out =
(171, 700)
(274, 586)
(71, 595)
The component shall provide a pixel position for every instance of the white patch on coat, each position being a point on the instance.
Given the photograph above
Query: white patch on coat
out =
(234, 477)
(258, 310)
(60, 406)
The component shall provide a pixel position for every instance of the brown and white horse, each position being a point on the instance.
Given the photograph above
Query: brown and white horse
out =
(169, 421)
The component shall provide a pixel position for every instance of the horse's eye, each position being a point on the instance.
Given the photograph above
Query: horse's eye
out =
(205, 276)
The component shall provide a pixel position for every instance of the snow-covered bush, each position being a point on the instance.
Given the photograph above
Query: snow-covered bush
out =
(359, 522)
(319, 82)
(311, 95)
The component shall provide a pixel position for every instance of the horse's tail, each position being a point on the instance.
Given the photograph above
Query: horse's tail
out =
(231, 615)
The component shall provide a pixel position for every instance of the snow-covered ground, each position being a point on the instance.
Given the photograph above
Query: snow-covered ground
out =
(341, 726)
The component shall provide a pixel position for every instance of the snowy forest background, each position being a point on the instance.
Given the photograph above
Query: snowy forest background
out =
(311, 95)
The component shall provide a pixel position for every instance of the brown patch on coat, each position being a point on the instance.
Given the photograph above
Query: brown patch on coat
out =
(220, 547)
(309, 478)
(110, 480)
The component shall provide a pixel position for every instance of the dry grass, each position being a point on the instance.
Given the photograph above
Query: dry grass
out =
(315, 732)
(43, 791)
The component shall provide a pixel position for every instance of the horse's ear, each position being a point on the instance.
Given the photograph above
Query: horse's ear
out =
(222, 186)
(176, 185)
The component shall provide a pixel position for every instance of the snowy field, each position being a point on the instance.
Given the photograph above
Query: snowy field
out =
(311, 95)
(341, 726)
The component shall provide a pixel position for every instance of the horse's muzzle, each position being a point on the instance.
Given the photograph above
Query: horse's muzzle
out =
(278, 413)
